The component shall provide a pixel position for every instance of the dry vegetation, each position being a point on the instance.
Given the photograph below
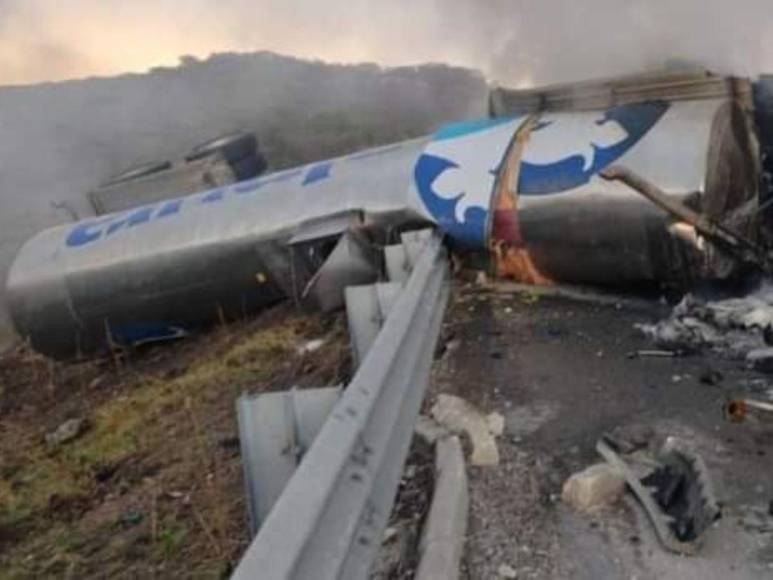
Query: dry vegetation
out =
(153, 487)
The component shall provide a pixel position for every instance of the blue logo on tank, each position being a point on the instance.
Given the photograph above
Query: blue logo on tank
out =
(565, 152)
(456, 174)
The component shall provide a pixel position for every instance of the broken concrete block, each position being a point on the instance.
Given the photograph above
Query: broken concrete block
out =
(459, 416)
(761, 359)
(442, 541)
(507, 572)
(429, 429)
(496, 423)
(66, 432)
(597, 486)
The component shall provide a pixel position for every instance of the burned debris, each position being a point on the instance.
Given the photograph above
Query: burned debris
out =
(675, 491)
(734, 327)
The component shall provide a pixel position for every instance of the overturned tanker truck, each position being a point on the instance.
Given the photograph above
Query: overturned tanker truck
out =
(521, 191)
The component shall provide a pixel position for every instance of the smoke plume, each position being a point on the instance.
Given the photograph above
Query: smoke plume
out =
(514, 42)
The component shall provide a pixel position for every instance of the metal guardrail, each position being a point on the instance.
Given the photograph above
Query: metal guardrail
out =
(329, 520)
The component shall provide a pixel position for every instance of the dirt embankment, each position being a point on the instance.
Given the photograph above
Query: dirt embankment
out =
(153, 486)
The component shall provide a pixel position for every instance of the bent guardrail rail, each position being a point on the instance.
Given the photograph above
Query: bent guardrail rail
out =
(328, 521)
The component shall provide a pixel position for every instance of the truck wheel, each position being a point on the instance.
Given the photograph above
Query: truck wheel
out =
(233, 147)
(249, 167)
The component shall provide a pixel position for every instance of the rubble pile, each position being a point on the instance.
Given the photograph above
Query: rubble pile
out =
(740, 328)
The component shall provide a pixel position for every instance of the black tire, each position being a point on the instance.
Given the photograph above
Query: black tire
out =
(233, 147)
(139, 171)
(249, 167)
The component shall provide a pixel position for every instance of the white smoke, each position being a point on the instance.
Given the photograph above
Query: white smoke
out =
(515, 42)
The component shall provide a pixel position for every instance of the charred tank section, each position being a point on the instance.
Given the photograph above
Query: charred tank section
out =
(690, 134)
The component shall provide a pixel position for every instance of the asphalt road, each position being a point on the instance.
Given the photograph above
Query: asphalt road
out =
(559, 372)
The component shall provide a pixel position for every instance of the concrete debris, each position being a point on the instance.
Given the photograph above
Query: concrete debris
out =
(66, 432)
(459, 416)
(442, 541)
(595, 487)
(429, 430)
(311, 346)
(391, 555)
(733, 327)
(507, 572)
(496, 423)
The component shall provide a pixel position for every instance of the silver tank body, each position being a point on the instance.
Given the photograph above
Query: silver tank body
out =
(166, 268)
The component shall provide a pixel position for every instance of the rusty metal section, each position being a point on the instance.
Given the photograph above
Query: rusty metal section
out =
(554, 218)
(509, 254)
(738, 411)
(605, 93)
(167, 183)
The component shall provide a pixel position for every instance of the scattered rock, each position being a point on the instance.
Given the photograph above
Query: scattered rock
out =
(459, 416)
(597, 486)
(310, 346)
(452, 345)
(630, 438)
(482, 280)
(96, 382)
(710, 376)
(507, 571)
(389, 534)
(66, 432)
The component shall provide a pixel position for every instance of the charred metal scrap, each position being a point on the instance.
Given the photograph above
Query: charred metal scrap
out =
(521, 190)
(676, 493)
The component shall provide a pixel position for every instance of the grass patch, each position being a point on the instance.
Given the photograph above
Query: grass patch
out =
(171, 538)
(137, 422)
(126, 425)
(32, 487)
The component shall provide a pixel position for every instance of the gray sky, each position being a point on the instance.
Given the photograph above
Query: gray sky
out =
(516, 42)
